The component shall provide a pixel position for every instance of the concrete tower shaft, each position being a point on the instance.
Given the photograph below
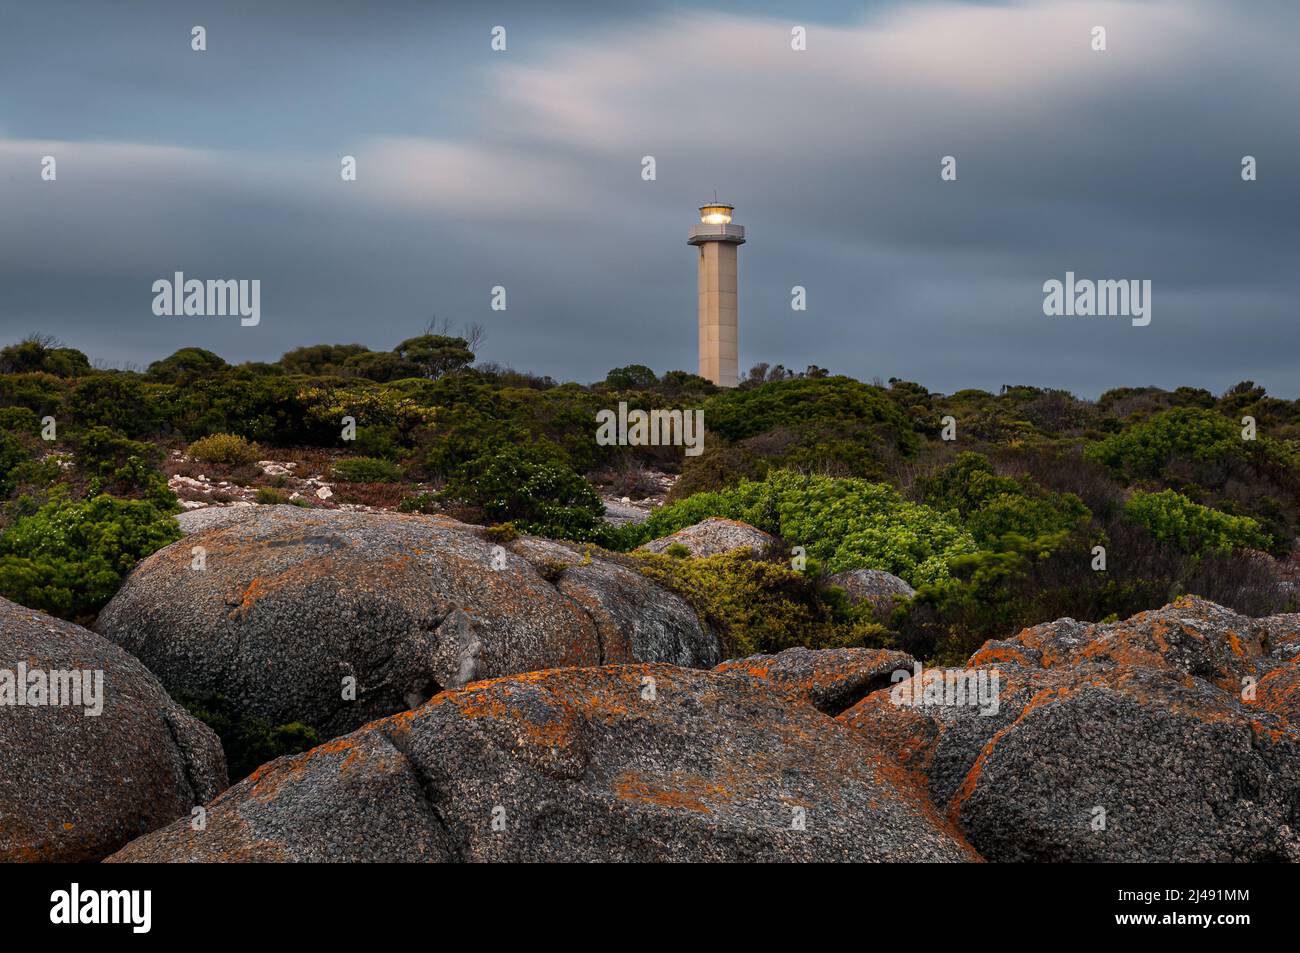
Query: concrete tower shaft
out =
(717, 239)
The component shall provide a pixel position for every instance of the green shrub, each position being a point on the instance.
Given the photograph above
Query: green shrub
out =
(1172, 518)
(187, 365)
(366, 470)
(996, 508)
(225, 448)
(269, 495)
(540, 497)
(834, 426)
(386, 416)
(321, 359)
(760, 607)
(717, 468)
(631, 377)
(42, 353)
(119, 401)
(501, 533)
(843, 522)
(36, 475)
(739, 414)
(12, 454)
(244, 402)
(68, 558)
(552, 570)
(102, 450)
(121, 466)
(436, 355)
(419, 503)
(1144, 450)
(248, 741)
(40, 393)
(19, 420)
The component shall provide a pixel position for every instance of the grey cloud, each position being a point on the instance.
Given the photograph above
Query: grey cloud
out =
(1122, 164)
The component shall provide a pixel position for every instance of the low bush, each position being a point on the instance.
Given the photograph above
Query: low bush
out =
(224, 448)
(997, 508)
(366, 470)
(69, 557)
(757, 606)
(420, 503)
(844, 522)
(501, 533)
(539, 496)
(12, 454)
(1172, 518)
(248, 741)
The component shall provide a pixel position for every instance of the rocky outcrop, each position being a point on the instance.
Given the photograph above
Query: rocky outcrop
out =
(334, 618)
(875, 586)
(93, 752)
(631, 763)
(634, 619)
(831, 680)
(1170, 736)
(211, 517)
(713, 536)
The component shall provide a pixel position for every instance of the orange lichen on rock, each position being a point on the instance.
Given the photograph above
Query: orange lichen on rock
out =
(990, 654)
(680, 790)
(1040, 699)
(1279, 692)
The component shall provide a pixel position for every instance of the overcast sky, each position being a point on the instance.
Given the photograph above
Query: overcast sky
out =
(523, 169)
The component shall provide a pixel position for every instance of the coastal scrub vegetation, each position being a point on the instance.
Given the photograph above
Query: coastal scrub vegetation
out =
(1045, 505)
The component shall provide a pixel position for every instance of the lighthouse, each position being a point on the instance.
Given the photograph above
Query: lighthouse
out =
(717, 239)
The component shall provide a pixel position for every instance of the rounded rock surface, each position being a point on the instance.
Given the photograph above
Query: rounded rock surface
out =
(76, 786)
(616, 763)
(714, 536)
(287, 611)
(1166, 737)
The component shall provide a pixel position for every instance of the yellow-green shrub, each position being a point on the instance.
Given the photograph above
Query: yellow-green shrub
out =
(224, 448)
(757, 606)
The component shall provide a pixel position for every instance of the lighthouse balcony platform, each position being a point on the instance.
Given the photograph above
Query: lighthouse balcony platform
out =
(699, 234)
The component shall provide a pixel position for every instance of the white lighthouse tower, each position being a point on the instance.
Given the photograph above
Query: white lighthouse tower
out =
(718, 239)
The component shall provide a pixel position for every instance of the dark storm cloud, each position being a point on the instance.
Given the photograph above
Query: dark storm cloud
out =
(523, 170)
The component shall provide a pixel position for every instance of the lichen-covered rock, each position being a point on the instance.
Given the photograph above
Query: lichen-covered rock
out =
(713, 536)
(334, 618)
(210, 517)
(1170, 736)
(831, 680)
(617, 763)
(635, 620)
(880, 588)
(1191, 636)
(75, 785)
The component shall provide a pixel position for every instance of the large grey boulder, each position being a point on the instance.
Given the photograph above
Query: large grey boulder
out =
(76, 785)
(617, 763)
(334, 618)
(1171, 736)
(714, 536)
(875, 586)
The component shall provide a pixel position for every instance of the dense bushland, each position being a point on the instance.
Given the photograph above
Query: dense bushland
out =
(997, 529)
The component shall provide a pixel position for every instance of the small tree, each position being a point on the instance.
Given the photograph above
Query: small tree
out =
(631, 377)
(187, 364)
(41, 352)
(436, 355)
